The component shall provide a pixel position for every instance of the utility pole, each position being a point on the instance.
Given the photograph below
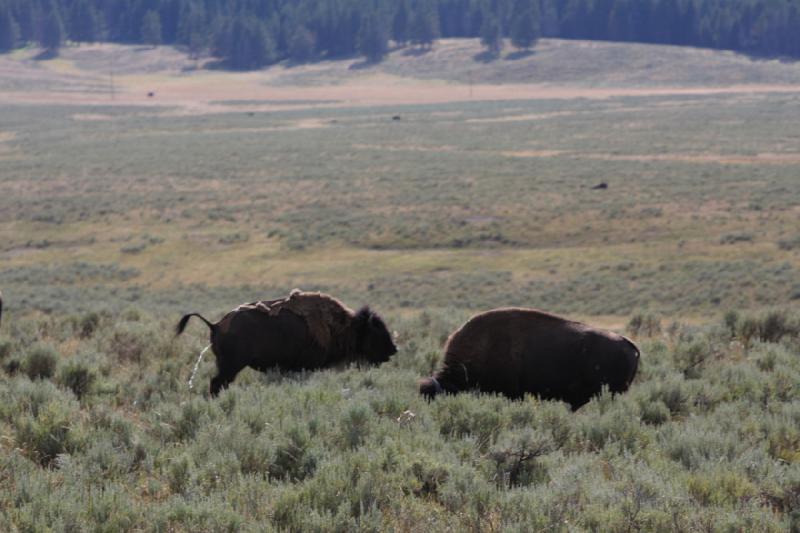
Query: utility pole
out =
(111, 74)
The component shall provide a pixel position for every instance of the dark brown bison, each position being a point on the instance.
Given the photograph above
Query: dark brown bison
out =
(305, 331)
(514, 351)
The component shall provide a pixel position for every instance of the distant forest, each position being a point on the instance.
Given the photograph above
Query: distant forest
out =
(248, 34)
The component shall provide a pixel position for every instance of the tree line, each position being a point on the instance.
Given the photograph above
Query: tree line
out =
(248, 34)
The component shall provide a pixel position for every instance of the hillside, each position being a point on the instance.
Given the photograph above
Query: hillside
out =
(454, 70)
(564, 62)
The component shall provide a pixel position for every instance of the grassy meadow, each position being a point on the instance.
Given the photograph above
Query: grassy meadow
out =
(118, 216)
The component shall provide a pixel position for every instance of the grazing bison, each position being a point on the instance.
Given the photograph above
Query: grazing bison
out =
(302, 332)
(514, 351)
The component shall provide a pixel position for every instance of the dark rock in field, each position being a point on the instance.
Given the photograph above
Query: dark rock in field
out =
(396, 117)
(600, 186)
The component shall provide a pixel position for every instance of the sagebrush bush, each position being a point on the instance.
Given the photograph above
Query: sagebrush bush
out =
(40, 361)
(47, 433)
(655, 412)
(690, 357)
(5, 349)
(516, 459)
(88, 324)
(645, 325)
(769, 327)
(293, 458)
(78, 377)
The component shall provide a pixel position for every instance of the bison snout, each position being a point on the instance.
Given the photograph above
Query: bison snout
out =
(429, 388)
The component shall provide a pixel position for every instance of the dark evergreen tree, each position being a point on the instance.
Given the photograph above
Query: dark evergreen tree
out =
(548, 18)
(9, 31)
(191, 22)
(340, 28)
(52, 32)
(425, 25)
(198, 41)
(301, 45)
(26, 20)
(252, 47)
(373, 38)
(687, 28)
(83, 22)
(222, 37)
(491, 36)
(151, 28)
(400, 23)
(170, 13)
(525, 24)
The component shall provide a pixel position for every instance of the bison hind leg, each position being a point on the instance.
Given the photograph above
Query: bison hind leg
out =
(217, 384)
(223, 378)
(577, 404)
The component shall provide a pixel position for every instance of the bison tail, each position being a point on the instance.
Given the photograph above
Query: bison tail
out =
(635, 362)
(185, 319)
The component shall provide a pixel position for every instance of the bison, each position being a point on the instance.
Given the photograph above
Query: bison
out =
(513, 351)
(305, 331)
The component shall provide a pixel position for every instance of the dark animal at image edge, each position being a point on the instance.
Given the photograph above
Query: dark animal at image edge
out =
(1, 307)
(514, 351)
(249, 336)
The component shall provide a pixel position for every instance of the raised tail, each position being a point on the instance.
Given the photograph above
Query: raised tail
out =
(185, 319)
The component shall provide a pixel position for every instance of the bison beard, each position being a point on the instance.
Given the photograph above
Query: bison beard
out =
(514, 351)
(305, 331)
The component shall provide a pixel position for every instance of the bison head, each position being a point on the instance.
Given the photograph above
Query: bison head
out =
(373, 340)
(430, 387)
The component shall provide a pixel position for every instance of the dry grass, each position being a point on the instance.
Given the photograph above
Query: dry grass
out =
(556, 70)
(240, 184)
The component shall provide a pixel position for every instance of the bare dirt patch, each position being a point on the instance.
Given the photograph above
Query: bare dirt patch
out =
(535, 153)
(723, 159)
(405, 148)
(522, 118)
(91, 117)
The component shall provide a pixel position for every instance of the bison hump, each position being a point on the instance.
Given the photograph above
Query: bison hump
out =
(326, 317)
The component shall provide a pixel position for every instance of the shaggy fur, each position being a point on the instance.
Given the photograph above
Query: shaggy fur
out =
(327, 318)
(514, 351)
(278, 334)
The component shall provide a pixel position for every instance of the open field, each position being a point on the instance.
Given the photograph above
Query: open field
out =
(118, 215)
